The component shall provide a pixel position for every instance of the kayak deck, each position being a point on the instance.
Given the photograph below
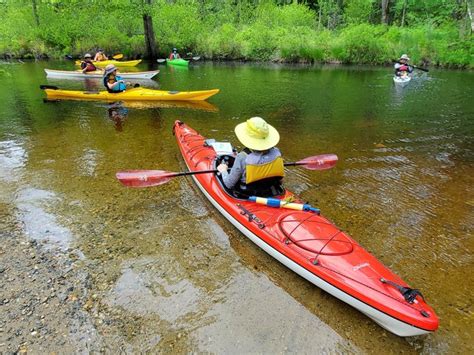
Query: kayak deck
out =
(134, 94)
(402, 80)
(178, 62)
(312, 246)
(66, 74)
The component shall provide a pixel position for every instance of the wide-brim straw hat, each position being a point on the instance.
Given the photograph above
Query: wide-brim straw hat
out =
(404, 56)
(110, 68)
(257, 134)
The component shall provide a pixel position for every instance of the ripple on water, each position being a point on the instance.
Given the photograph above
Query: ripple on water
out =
(13, 158)
(153, 286)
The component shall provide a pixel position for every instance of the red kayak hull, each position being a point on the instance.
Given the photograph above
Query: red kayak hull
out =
(313, 247)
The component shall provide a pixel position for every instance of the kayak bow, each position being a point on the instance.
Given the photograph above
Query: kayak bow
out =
(402, 80)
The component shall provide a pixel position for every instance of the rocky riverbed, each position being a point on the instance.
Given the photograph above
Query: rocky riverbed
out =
(45, 295)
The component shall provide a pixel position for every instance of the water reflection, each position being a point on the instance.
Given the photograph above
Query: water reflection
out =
(40, 224)
(13, 158)
(117, 114)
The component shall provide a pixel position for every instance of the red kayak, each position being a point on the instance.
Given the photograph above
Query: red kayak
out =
(313, 247)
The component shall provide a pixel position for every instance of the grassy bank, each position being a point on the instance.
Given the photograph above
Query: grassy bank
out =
(267, 32)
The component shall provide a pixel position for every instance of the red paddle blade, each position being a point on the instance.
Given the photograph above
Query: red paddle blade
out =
(144, 178)
(319, 162)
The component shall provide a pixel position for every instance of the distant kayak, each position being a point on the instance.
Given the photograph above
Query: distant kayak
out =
(118, 63)
(75, 74)
(133, 94)
(402, 80)
(179, 62)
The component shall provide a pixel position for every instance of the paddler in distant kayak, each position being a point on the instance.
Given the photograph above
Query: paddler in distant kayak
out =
(174, 54)
(100, 56)
(112, 82)
(87, 65)
(401, 67)
(258, 169)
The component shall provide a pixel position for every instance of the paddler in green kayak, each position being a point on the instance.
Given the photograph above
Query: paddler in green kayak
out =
(87, 65)
(258, 169)
(174, 54)
(112, 82)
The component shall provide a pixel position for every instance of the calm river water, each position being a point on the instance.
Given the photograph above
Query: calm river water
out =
(174, 274)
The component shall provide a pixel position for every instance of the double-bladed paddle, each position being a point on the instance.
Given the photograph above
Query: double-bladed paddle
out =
(414, 66)
(146, 178)
(422, 69)
(116, 56)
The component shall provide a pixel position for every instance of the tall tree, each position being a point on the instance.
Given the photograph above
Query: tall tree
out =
(404, 10)
(149, 32)
(469, 11)
(385, 10)
(35, 12)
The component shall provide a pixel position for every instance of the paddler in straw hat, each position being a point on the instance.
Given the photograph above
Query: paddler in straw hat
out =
(258, 169)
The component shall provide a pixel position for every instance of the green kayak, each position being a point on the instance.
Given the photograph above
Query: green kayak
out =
(180, 62)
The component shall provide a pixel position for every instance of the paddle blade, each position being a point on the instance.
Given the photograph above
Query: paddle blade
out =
(144, 178)
(196, 58)
(118, 56)
(161, 60)
(422, 69)
(319, 162)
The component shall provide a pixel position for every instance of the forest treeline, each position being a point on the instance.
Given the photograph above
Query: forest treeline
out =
(436, 32)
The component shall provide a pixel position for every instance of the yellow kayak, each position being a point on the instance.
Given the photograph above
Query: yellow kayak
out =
(134, 94)
(129, 63)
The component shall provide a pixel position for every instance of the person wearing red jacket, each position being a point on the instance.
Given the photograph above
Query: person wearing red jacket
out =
(401, 66)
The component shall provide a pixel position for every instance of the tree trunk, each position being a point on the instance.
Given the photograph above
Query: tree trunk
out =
(320, 16)
(385, 4)
(469, 13)
(404, 12)
(151, 52)
(35, 12)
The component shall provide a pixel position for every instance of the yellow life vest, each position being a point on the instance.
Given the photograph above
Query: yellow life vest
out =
(258, 172)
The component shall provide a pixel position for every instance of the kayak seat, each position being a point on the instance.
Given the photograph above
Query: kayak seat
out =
(270, 187)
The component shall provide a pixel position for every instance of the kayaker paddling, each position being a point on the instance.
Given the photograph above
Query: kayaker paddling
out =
(401, 66)
(258, 169)
(100, 56)
(174, 54)
(112, 82)
(87, 65)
